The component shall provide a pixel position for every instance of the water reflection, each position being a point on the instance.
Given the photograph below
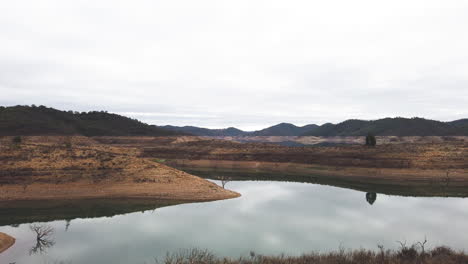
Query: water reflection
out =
(67, 224)
(371, 197)
(15, 213)
(435, 187)
(269, 218)
(44, 238)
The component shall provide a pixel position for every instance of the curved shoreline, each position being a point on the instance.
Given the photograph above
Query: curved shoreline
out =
(323, 170)
(40, 171)
(403, 182)
(194, 190)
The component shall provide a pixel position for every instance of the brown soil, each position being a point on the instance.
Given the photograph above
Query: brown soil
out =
(449, 155)
(318, 170)
(6, 242)
(403, 182)
(313, 140)
(419, 163)
(47, 168)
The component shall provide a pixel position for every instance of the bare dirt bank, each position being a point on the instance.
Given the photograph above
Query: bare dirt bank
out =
(46, 168)
(408, 174)
(418, 166)
(6, 242)
(408, 182)
(184, 188)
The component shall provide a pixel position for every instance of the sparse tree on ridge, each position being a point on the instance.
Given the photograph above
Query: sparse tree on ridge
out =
(370, 140)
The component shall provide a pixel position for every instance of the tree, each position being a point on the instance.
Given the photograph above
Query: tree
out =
(370, 140)
(43, 238)
(224, 180)
(17, 140)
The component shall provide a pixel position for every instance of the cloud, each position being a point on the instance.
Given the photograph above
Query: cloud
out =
(242, 63)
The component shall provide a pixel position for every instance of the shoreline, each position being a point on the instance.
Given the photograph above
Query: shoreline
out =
(53, 171)
(196, 190)
(6, 242)
(401, 182)
(323, 170)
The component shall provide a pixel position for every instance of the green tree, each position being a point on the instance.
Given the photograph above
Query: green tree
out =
(370, 140)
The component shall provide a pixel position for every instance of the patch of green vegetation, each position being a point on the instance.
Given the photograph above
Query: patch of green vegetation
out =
(160, 160)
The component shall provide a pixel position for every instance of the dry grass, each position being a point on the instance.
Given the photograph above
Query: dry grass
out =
(6, 241)
(405, 255)
(73, 167)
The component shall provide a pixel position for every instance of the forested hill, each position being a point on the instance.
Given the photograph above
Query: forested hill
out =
(199, 131)
(393, 127)
(353, 127)
(283, 129)
(41, 120)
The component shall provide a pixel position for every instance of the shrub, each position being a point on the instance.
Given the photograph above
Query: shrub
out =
(370, 140)
(17, 140)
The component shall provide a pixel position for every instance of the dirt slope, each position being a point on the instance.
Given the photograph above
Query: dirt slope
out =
(74, 168)
(6, 242)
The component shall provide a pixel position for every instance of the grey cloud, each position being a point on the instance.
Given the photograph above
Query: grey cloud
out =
(246, 63)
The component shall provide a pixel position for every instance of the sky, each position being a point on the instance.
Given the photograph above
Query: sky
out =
(244, 63)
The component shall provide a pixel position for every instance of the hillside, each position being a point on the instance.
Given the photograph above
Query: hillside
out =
(198, 131)
(284, 129)
(353, 127)
(32, 120)
(76, 167)
(393, 127)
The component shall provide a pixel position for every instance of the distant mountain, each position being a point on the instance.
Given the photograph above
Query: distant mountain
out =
(353, 127)
(41, 120)
(393, 127)
(462, 123)
(198, 131)
(284, 129)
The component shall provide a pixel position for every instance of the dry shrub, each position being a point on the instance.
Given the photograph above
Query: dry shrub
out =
(404, 255)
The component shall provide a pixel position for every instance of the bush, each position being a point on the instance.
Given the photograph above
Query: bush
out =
(370, 140)
(17, 140)
(68, 143)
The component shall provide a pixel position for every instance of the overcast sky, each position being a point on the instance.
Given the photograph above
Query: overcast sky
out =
(242, 63)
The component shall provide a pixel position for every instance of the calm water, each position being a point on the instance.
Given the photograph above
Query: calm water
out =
(269, 218)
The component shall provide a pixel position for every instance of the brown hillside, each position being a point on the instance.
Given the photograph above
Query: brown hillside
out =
(76, 167)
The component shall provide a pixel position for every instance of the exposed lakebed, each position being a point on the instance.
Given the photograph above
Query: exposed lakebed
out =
(271, 217)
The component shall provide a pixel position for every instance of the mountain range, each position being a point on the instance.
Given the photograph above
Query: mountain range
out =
(41, 120)
(382, 127)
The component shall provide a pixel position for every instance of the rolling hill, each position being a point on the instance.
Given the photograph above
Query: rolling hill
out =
(383, 127)
(198, 131)
(41, 120)
(284, 129)
(393, 127)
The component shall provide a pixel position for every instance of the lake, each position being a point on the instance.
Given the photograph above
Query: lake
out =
(271, 217)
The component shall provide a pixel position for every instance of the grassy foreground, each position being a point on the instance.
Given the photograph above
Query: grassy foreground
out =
(404, 255)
